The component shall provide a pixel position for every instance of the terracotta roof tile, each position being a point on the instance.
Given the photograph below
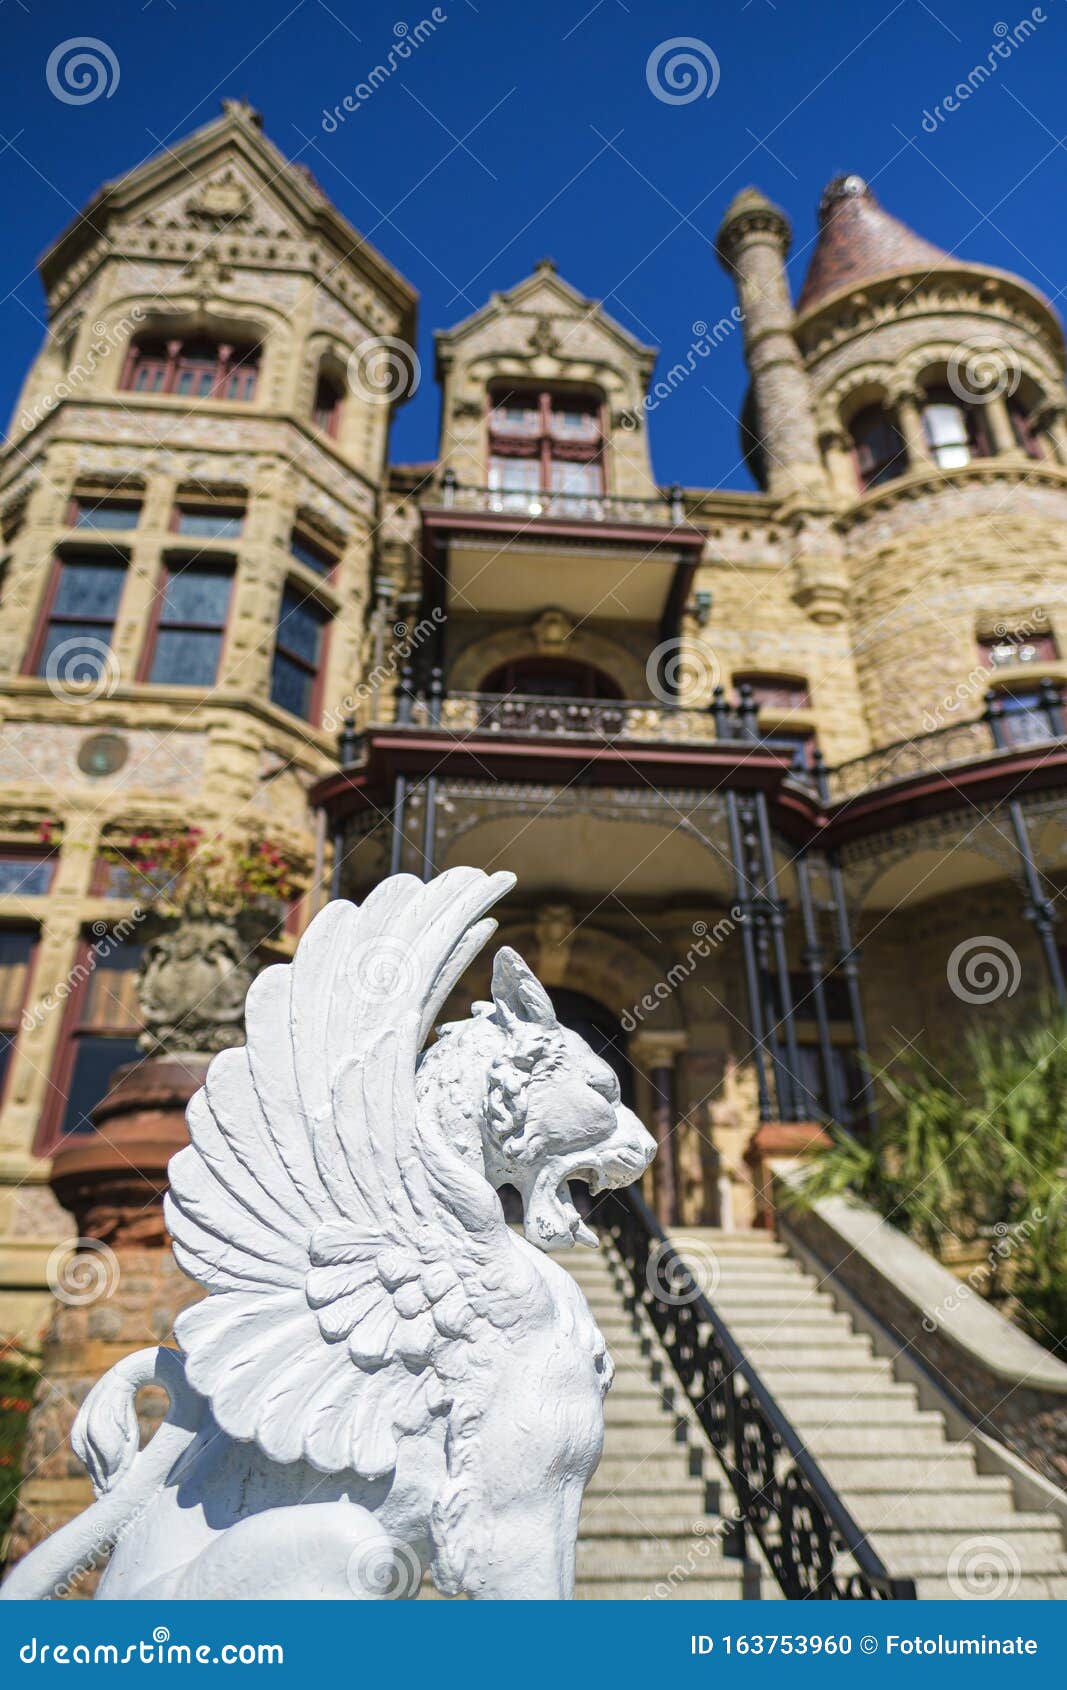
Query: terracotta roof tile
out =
(858, 240)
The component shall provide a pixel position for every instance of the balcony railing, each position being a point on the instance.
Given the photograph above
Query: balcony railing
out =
(512, 714)
(953, 746)
(564, 507)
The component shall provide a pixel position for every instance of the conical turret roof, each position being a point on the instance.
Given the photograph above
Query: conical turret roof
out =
(859, 240)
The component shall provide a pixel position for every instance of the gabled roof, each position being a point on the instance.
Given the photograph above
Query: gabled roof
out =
(237, 135)
(859, 240)
(545, 293)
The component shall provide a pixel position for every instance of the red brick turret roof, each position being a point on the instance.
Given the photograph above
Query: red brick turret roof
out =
(858, 240)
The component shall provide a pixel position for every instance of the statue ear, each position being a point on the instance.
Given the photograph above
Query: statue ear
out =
(518, 993)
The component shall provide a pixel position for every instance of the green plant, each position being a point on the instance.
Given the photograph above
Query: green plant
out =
(973, 1162)
(18, 1381)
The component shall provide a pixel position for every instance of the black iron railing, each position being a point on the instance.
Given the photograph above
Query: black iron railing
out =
(814, 1547)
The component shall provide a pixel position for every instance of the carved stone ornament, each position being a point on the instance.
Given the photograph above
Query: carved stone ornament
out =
(222, 202)
(544, 338)
(384, 1377)
(195, 972)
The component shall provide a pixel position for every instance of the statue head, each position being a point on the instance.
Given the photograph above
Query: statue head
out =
(548, 1108)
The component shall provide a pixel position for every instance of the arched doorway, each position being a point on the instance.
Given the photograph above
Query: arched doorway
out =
(551, 677)
(601, 1031)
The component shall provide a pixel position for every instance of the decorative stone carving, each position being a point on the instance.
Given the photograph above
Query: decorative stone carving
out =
(375, 1337)
(196, 971)
(221, 202)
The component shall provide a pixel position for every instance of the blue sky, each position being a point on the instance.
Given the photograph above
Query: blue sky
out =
(519, 130)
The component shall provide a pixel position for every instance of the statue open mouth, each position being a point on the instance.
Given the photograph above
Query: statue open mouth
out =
(552, 1220)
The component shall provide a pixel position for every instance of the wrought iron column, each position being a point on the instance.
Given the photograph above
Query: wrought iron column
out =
(1038, 908)
(744, 902)
(846, 952)
(404, 706)
(346, 752)
(429, 828)
(813, 961)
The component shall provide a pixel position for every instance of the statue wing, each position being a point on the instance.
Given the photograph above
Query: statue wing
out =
(351, 1256)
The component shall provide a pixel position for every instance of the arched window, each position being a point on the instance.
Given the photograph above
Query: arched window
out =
(329, 397)
(877, 447)
(192, 368)
(551, 677)
(956, 432)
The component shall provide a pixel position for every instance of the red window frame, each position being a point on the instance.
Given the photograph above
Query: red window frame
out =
(776, 692)
(45, 616)
(226, 363)
(176, 566)
(73, 1028)
(318, 669)
(326, 406)
(871, 470)
(545, 445)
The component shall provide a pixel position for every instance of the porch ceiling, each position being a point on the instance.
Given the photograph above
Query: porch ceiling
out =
(502, 574)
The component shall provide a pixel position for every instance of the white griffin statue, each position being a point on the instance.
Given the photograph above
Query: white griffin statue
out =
(384, 1376)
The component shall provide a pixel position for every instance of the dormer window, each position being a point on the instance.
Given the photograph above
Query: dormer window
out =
(877, 447)
(192, 369)
(956, 432)
(545, 451)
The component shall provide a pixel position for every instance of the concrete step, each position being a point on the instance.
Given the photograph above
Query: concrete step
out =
(645, 1440)
(822, 1382)
(879, 1409)
(952, 1467)
(724, 1585)
(1029, 1587)
(625, 1475)
(735, 1300)
(929, 1553)
(790, 1323)
(649, 1513)
(903, 1511)
(910, 1436)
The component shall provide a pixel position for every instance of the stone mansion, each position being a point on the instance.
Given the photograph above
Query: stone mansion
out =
(765, 763)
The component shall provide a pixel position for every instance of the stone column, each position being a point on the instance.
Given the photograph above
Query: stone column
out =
(909, 419)
(654, 1054)
(837, 449)
(1051, 421)
(1001, 434)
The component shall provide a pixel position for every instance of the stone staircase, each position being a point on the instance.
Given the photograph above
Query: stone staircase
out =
(928, 1512)
(650, 1525)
